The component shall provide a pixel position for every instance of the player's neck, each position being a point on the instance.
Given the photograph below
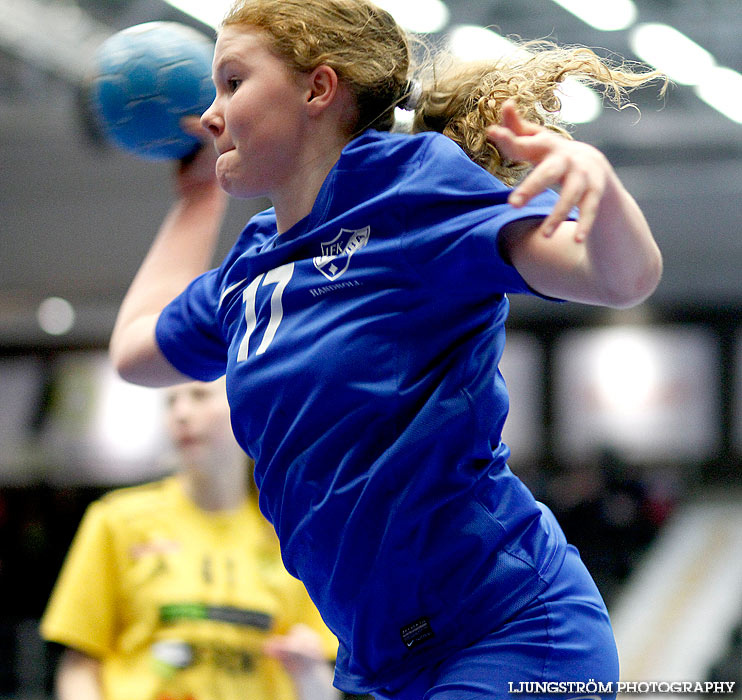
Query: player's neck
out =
(295, 199)
(221, 489)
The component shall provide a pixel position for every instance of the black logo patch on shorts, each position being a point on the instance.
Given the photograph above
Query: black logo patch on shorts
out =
(416, 632)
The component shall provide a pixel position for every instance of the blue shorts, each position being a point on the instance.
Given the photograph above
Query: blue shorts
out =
(563, 637)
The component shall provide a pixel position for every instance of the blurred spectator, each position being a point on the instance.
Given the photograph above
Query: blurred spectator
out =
(175, 590)
(608, 514)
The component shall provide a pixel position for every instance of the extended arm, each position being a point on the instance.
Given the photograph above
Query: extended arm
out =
(183, 249)
(78, 677)
(608, 257)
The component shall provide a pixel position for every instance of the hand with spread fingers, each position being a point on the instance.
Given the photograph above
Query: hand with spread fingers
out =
(608, 255)
(579, 169)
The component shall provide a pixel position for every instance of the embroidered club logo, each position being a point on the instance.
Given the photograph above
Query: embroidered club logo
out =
(336, 253)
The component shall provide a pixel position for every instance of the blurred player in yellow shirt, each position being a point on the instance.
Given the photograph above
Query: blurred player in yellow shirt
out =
(175, 590)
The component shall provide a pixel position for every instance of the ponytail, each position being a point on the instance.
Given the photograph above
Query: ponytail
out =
(463, 99)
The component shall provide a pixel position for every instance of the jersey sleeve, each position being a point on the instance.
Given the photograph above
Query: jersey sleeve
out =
(453, 212)
(81, 610)
(188, 331)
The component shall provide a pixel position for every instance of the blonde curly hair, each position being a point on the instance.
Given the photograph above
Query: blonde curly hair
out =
(372, 54)
(461, 99)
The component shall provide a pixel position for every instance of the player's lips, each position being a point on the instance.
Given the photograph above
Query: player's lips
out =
(187, 440)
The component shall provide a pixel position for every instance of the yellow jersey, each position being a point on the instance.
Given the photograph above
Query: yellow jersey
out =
(177, 602)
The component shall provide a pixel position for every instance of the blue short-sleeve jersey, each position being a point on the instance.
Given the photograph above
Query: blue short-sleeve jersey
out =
(361, 349)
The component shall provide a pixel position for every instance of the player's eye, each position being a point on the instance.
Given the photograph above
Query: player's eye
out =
(233, 84)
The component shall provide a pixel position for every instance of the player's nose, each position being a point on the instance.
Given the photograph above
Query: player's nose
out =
(212, 120)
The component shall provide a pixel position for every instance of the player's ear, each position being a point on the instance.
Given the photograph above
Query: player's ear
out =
(323, 88)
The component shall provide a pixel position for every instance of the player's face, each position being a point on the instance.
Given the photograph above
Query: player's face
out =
(256, 117)
(197, 419)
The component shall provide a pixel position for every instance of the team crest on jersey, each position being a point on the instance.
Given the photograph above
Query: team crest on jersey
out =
(336, 254)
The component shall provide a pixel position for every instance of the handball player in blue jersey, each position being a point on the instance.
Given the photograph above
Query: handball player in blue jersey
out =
(360, 322)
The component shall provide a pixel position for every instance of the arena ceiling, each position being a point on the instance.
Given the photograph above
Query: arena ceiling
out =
(76, 217)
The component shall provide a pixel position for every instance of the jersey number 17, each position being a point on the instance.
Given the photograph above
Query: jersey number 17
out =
(280, 276)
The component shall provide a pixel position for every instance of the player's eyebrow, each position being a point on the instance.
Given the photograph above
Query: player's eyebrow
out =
(225, 59)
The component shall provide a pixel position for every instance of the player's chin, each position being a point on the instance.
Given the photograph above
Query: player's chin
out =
(233, 188)
(225, 176)
(222, 162)
(237, 185)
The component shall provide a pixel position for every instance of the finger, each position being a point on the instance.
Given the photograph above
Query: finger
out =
(512, 124)
(511, 119)
(588, 213)
(531, 148)
(192, 125)
(573, 191)
(515, 148)
(504, 140)
(550, 172)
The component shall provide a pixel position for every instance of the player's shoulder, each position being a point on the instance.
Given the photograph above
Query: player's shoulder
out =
(259, 228)
(424, 160)
(383, 148)
(257, 233)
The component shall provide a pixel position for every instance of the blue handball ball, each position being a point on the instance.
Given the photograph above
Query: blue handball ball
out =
(145, 79)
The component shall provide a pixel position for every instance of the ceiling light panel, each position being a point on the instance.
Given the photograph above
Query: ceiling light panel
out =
(606, 15)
